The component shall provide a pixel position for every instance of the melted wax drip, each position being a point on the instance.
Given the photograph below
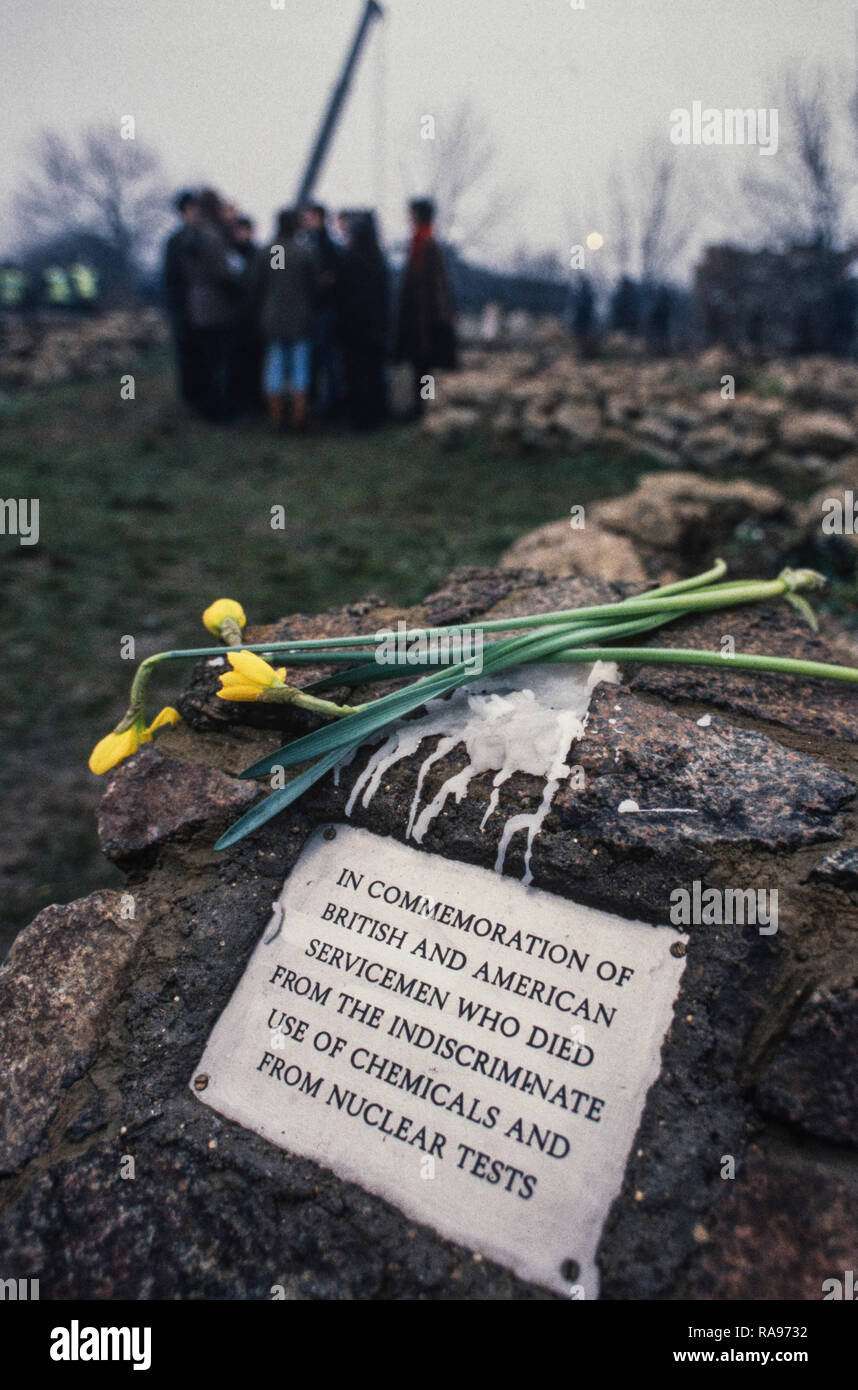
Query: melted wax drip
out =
(504, 730)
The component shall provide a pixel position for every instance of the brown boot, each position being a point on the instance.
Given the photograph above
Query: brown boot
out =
(299, 410)
(274, 405)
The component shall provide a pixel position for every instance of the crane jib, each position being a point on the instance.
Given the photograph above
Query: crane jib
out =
(372, 11)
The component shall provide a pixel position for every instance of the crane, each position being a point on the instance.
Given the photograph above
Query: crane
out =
(372, 11)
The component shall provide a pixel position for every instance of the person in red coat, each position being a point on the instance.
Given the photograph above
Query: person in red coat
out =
(426, 335)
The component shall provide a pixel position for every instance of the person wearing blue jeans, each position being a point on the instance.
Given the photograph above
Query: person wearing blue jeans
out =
(288, 284)
(288, 365)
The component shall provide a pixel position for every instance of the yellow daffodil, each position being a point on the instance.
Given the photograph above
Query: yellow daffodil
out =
(250, 678)
(224, 610)
(120, 744)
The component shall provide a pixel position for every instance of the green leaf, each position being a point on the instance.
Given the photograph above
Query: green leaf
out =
(802, 607)
(353, 729)
(371, 672)
(278, 800)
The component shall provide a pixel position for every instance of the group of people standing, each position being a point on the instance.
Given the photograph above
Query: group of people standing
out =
(304, 325)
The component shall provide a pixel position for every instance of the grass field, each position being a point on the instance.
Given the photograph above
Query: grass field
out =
(146, 516)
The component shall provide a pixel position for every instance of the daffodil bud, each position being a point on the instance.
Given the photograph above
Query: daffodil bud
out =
(225, 619)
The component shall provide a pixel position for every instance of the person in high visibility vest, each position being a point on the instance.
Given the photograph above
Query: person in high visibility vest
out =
(84, 282)
(13, 286)
(58, 291)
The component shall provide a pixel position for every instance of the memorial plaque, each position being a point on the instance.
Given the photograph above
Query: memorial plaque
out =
(474, 1051)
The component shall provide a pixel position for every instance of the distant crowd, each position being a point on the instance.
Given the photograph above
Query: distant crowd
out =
(304, 326)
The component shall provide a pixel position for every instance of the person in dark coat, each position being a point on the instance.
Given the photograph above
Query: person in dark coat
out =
(214, 290)
(248, 333)
(288, 288)
(328, 387)
(175, 280)
(426, 335)
(364, 312)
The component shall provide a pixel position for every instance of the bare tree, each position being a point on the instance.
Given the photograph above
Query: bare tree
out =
(620, 223)
(801, 194)
(110, 187)
(457, 167)
(646, 213)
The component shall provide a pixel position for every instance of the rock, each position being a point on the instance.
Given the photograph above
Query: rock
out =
(714, 407)
(843, 473)
(623, 411)
(526, 387)
(740, 787)
(681, 415)
(751, 446)
(474, 590)
(805, 468)
(816, 707)
(813, 1081)
(151, 798)
(756, 415)
(55, 347)
(578, 425)
(216, 1212)
(450, 425)
(716, 361)
(657, 430)
(786, 798)
(678, 514)
(503, 423)
(839, 868)
(58, 989)
(593, 552)
(817, 432)
(834, 507)
(480, 388)
(535, 419)
(709, 448)
(757, 1246)
(89, 1120)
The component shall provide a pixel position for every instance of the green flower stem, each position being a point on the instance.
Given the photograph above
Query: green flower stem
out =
(339, 649)
(694, 598)
(316, 644)
(688, 656)
(230, 632)
(529, 648)
(141, 680)
(659, 603)
(552, 637)
(289, 695)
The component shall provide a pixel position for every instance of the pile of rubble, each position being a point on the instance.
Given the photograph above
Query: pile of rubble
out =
(703, 414)
(39, 349)
(675, 523)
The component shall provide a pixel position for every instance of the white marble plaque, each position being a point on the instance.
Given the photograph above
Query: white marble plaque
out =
(476, 1052)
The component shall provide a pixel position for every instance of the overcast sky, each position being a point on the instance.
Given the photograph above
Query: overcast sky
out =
(231, 91)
